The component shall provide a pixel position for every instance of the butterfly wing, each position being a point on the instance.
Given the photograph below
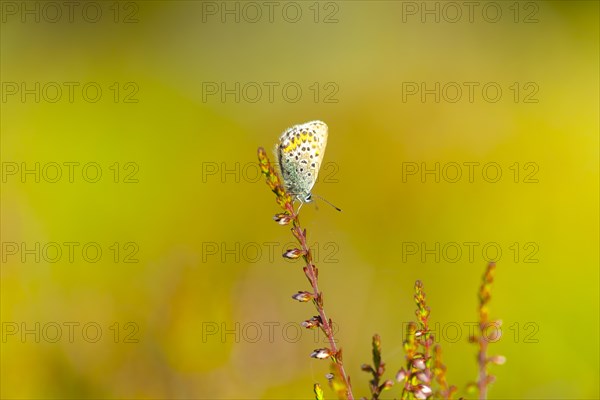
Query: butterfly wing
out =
(300, 152)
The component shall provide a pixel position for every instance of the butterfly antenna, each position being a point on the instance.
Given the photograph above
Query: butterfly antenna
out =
(337, 208)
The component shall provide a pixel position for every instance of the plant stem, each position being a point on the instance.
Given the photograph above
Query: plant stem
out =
(482, 360)
(311, 273)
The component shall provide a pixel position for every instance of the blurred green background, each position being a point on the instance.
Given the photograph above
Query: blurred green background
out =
(189, 297)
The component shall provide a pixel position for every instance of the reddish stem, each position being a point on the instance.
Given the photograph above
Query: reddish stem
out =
(312, 277)
(482, 360)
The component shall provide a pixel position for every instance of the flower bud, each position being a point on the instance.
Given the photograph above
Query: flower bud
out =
(472, 388)
(321, 353)
(282, 218)
(312, 323)
(401, 375)
(424, 376)
(292, 254)
(386, 385)
(498, 360)
(422, 392)
(419, 363)
(366, 368)
(319, 392)
(303, 296)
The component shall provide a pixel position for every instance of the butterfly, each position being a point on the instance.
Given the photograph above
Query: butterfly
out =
(300, 153)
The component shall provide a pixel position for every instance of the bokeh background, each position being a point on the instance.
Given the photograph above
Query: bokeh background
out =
(189, 297)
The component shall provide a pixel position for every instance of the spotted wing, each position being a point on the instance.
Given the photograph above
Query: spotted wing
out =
(300, 152)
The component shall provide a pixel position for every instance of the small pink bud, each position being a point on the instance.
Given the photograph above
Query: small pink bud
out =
(292, 254)
(366, 368)
(283, 218)
(312, 323)
(401, 375)
(424, 376)
(302, 296)
(420, 332)
(321, 353)
(386, 385)
(498, 360)
(422, 392)
(492, 332)
(419, 363)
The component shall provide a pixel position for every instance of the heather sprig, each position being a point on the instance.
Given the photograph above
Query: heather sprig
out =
(483, 337)
(338, 379)
(445, 391)
(417, 376)
(319, 395)
(424, 366)
(377, 370)
(276, 184)
(423, 335)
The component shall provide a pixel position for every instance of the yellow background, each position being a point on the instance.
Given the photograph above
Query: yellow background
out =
(208, 251)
